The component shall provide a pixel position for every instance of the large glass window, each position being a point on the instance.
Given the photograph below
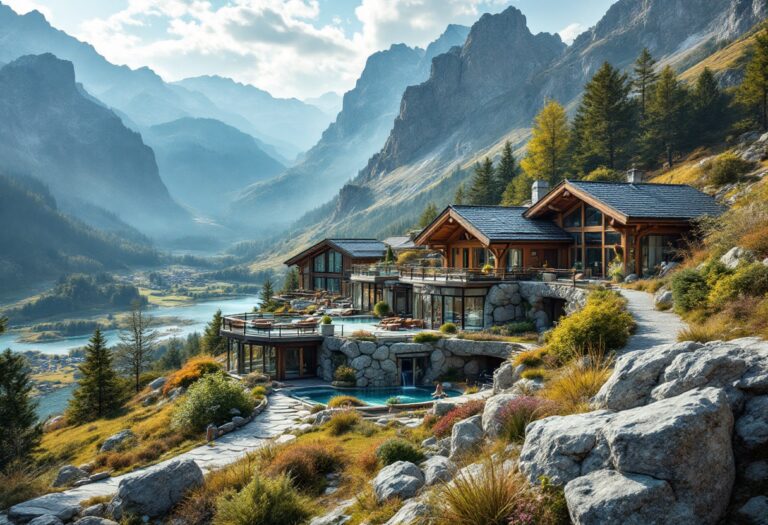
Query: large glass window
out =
(473, 313)
(334, 262)
(319, 263)
(514, 259)
(592, 216)
(319, 283)
(573, 219)
(333, 285)
(465, 258)
(479, 257)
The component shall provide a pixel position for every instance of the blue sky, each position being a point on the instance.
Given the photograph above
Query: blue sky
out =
(297, 48)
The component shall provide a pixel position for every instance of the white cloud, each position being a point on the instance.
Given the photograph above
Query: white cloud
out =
(278, 45)
(570, 32)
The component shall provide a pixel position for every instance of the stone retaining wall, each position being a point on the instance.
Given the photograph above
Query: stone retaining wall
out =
(521, 301)
(375, 363)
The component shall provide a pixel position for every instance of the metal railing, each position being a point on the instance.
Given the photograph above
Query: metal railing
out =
(270, 326)
(462, 275)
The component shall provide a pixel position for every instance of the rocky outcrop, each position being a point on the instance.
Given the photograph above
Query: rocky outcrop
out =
(155, 492)
(401, 479)
(466, 436)
(508, 302)
(491, 420)
(437, 469)
(67, 475)
(409, 513)
(48, 505)
(118, 441)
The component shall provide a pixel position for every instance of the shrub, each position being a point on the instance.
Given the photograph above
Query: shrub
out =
(192, 371)
(536, 374)
(530, 357)
(757, 242)
(394, 400)
(318, 407)
(345, 401)
(326, 319)
(368, 461)
(381, 309)
(259, 392)
(342, 422)
(444, 425)
(307, 464)
(426, 337)
(604, 321)
(604, 174)
(519, 327)
(210, 400)
(255, 379)
(363, 335)
(263, 501)
(726, 168)
(345, 374)
(474, 389)
(20, 483)
(481, 497)
(748, 280)
(516, 415)
(449, 328)
(397, 449)
(689, 290)
(576, 385)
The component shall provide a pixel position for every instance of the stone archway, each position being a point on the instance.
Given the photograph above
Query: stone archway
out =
(524, 300)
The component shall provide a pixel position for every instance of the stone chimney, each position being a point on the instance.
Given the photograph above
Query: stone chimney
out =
(634, 175)
(538, 190)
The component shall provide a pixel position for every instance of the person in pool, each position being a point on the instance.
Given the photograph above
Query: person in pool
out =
(439, 393)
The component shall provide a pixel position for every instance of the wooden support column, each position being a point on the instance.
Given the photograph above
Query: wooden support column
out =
(499, 253)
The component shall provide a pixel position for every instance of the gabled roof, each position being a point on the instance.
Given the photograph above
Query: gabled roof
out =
(355, 248)
(400, 242)
(638, 200)
(498, 224)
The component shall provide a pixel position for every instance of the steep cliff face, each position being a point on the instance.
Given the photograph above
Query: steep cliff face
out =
(51, 130)
(358, 132)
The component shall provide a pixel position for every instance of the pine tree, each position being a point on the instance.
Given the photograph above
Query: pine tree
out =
(644, 79)
(291, 281)
(547, 154)
(753, 92)
(482, 186)
(267, 292)
(137, 344)
(605, 122)
(213, 343)
(21, 431)
(98, 392)
(505, 172)
(173, 357)
(518, 191)
(428, 215)
(666, 117)
(709, 107)
(389, 257)
(458, 198)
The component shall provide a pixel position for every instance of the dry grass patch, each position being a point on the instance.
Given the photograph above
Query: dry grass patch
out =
(575, 385)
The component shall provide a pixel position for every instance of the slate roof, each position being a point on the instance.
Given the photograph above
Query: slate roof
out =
(506, 223)
(651, 201)
(400, 242)
(362, 248)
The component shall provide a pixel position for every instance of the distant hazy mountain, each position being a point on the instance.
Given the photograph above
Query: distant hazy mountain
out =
(50, 129)
(203, 161)
(329, 103)
(285, 121)
(41, 242)
(360, 129)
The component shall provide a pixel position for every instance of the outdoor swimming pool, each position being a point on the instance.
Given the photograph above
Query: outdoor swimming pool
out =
(371, 396)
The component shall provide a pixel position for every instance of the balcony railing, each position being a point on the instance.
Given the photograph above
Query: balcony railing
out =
(460, 275)
(269, 326)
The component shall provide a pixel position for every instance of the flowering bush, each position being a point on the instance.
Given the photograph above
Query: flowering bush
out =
(516, 415)
(444, 426)
(192, 371)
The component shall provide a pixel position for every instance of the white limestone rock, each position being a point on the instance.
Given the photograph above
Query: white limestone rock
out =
(401, 479)
(466, 435)
(409, 513)
(381, 353)
(437, 469)
(504, 377)
(50, 504)
(118, 441)
(734, 256)
(350, 349)
(492, 424)
(366, 347)
(67, 475)
(752, 426)
(48, 519)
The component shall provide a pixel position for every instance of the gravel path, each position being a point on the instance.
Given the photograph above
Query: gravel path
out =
(281, 413)
(653, 327)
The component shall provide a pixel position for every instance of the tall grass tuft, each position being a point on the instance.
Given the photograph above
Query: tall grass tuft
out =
(263, 501)
(516, 415)
(343, 421)
(578, 382)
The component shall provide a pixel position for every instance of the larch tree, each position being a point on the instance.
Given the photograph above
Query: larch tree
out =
(643, 79)
(518, 191)
(505, 172)
(291, 281)
(547, 154)
(665, 129)
(753, 92)
(428, 215)
(137, 344)
(21, 430)
(98, 393)
(213, 343)
(481, 190)
(604, 125)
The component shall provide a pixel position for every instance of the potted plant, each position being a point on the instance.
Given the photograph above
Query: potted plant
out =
(326, 326)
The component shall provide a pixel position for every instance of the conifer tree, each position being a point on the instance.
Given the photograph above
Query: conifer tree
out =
(428, 215)
(505, 172)
(3, 322)
(753, 92)
(644, 78)
(173, 357)
(98, 392)
(605, 121)
(267, 292)
(213, 343)
(709, 105)
(458, 198)
(389, 257)
(483, 185)
(518, 191)
(21, 431)
(665, 122)
(291, 281)
(547, 154)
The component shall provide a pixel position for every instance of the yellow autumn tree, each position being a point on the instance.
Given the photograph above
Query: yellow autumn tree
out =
(547, 155)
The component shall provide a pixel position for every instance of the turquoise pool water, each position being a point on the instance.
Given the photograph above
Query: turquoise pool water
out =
(372, 396)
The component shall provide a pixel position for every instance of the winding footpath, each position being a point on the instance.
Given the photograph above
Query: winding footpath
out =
(653, 326)
(280, 414)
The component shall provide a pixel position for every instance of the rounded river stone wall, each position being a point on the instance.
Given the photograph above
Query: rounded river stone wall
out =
(524, 300)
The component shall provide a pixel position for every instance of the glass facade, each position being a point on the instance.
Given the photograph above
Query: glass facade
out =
(463, 306)
(319, 263)
(514, 259)
(334, 262)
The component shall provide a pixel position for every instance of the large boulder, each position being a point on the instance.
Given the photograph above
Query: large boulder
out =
(663, 299)
(48, 519)
(504, 377)
(155, 492)
(684, 441)
(67, 475)
(401, 479)
(466, 435)
(734, 256)
(118, 441)
(494, 406)
(48, 505)
(158, 383)
(409, 513)
(752, 426)
(437, 469)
